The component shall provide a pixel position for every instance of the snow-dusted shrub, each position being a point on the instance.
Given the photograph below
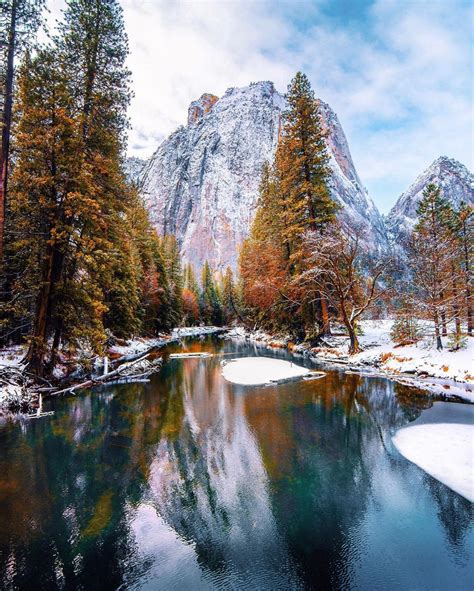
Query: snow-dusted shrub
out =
(457, 341)
(405, 330)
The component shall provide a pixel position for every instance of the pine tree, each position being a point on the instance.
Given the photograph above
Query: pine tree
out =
(163, 315)
(190, 281)
(191, 296)
(301, 165)
(209, 304)
(19, 21)
(174, 271)
(94, 46)
(294, 201)
(122, 287)
(432, 250)
(229, 296)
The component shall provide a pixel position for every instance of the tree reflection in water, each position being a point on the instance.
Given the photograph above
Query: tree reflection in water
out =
(191, 482)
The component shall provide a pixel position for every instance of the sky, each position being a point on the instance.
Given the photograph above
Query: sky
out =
(398, 73)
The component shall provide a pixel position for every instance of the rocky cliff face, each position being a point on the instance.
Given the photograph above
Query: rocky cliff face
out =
(202, 182)
(134, 168)
(457, 185)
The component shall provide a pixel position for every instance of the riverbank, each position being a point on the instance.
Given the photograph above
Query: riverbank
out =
(449, 374)
(124, 360)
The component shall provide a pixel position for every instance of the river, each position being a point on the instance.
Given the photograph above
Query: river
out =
(190, 482)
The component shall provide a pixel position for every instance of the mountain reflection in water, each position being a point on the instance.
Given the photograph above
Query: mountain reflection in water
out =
(191, 482)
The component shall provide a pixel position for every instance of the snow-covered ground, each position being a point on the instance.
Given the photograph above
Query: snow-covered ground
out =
(12, 356)
(254, 371)
(441, 442)
(450, 373)
(419, 358)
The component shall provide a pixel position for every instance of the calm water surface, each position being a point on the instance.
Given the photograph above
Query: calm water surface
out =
(190, 482)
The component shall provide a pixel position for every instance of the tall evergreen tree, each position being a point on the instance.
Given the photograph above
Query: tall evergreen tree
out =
(74, 103)
(191, 296)
(294, 201)
(432, 250)
(190, 281)
(301, 165)
(53, 201)
(174, 271)
(229, 296)
(19, 21)
(161, 312)
(209, 304)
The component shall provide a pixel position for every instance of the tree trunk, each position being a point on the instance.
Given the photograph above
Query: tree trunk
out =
(439, 342)
(6, 124)
(354, 341)
(444, 326)
(456, 307)
(470, 315)
(37, 349)
(326, 324)
(467, 289)
(354, 346)
(38, 346)
(55, 346)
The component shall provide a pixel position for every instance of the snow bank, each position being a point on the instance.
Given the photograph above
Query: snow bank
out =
(259, 337)
(423, 357)
(140, 345)
(195, 331)
(441, 442)
(254, 371)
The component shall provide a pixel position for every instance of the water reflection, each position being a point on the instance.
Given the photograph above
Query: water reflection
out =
(210, 484)
(191, 482)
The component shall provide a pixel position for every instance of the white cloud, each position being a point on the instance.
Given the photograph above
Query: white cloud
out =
(400, 80)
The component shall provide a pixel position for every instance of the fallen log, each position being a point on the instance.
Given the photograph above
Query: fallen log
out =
(104, 378)
(189, 355)
(139, 355)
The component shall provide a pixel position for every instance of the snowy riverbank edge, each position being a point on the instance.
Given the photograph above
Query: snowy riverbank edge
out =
(12, 357)
(444, 373)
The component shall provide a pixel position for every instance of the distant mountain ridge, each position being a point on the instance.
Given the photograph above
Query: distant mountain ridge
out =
(455, 181)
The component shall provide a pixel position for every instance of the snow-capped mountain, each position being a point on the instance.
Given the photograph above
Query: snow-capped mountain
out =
(457, 185)
(202, 182)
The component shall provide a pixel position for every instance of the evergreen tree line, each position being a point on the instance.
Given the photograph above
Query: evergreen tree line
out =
(80, 260)
(302, 267)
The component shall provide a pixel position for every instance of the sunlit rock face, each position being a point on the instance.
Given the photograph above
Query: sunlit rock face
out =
(457, 186)
(202, 182)
(197, 109)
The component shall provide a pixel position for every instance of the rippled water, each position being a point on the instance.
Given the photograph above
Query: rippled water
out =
(190, 482)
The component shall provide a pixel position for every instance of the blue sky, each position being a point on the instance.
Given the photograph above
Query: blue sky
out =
(397, 72)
